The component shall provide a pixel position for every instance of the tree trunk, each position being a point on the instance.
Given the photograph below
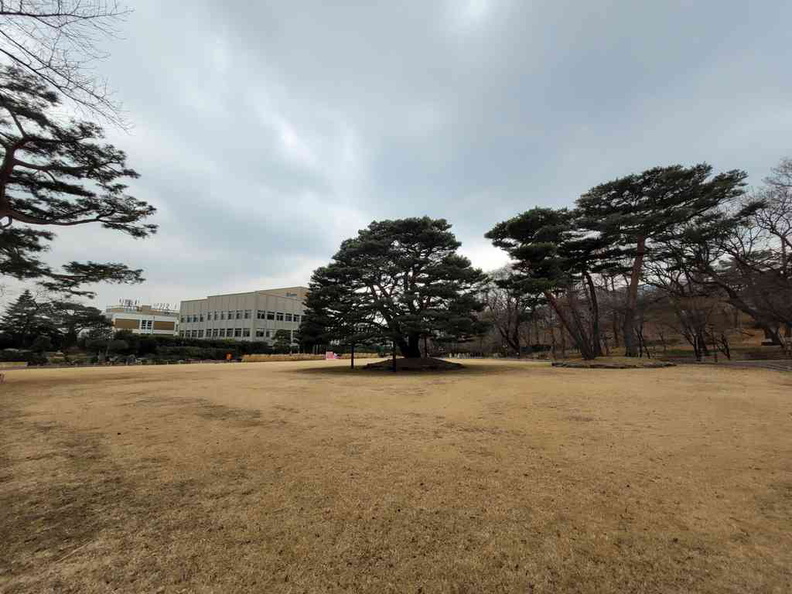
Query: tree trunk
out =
(696, 348)
(517, 339)
(595, 321)
(628, 327)
(352, 356)
(581, 340)
(393, 361)
(410, 348)
(563, 344)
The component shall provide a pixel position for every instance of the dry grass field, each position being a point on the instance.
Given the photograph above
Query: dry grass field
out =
(306, 477)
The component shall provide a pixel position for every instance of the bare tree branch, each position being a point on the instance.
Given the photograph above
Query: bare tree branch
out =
(59, 41)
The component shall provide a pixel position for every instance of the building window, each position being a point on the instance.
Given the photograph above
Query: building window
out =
(230, 314)
(268, 334)
(247, 314)
(279, 316)
(201, 318)
(261, 314)
(259, 332)
(230, 333)
(222, 315)
(288, 317)
(296, 318)
(239, 314)
(245, 332)
(200, 333)
(145, 324)
(182, 319)
(221, 332)
(181, 333)
(270, 315)
(237, 332)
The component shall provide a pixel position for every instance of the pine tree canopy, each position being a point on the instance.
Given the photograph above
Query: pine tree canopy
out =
(24, 320)
(656, 201)
(56, 173)
(398, 280)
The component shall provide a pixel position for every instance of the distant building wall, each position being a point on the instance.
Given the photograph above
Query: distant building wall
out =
(256, 315)
(143, 319)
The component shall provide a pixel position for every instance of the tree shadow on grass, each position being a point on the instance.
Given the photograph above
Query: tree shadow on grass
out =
(467, 370)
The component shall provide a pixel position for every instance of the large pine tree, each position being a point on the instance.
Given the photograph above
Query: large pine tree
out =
(24, 320)
(635, 212)
(553, 260)
(58, 173)
(399, 280)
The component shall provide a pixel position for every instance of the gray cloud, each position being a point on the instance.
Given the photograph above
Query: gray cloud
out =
(267, 132)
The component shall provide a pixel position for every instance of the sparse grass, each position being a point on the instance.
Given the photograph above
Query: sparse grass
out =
(310, 477)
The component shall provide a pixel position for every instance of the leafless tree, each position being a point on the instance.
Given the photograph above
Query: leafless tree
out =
(59, 41)
(775, 218)
(509, 309)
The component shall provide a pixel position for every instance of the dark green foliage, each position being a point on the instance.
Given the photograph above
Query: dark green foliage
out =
(282, 341)
(553, 261)
(41, 343)
(399, 280)
(615, 229)
(24, 320)
(58, 173)
(28, 356)
(174, 348)
(70, 319)
(635, 213)
(60, 321)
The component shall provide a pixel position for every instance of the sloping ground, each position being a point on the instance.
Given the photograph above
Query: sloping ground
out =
(310, 477)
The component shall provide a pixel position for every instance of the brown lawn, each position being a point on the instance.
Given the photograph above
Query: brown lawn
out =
(304, 477)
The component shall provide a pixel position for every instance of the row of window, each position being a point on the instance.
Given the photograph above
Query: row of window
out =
(146, 324)
(241, 314)
(225, 333)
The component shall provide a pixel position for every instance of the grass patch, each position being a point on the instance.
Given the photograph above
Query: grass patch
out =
(304, 476)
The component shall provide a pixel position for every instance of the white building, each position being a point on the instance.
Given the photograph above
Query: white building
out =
(143, 319)
(257, 315)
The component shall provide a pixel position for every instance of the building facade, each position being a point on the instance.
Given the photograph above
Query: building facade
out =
(143, 319)
(257, 315)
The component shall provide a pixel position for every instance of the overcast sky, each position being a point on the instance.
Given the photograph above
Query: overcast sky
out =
(267, 132)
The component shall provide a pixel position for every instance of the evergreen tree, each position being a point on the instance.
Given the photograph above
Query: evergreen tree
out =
(399, 280)
(24, 320)
(58, 173)
(635, 212)
(553, 260)
(282, 341)
(70, 319)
